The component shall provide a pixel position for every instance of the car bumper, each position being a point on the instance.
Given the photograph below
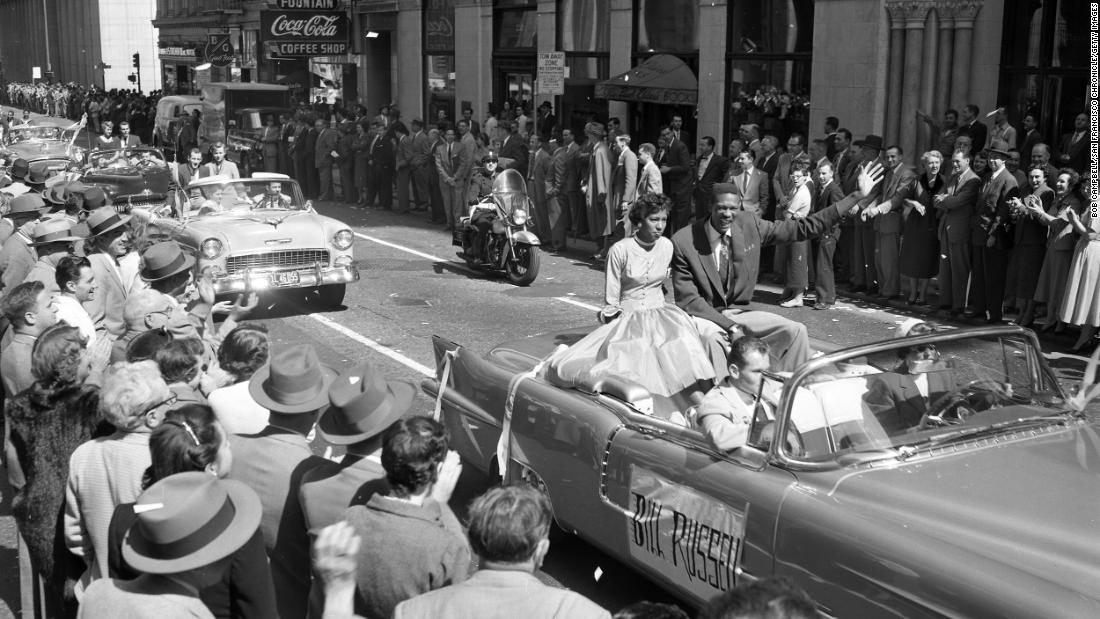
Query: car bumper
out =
(280, 279)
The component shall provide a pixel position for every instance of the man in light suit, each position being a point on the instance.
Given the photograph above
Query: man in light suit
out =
(710, 168)
(114, 268)
(753, 188)
(624, 179)
(956, 205)
(219, 165)
(294, 387)
(510, 532)
(448, 162)
(364, 404)
(649, 175)
(325, 156)
(674, 160)
(990, 259)
(888, 222)
(716, 263)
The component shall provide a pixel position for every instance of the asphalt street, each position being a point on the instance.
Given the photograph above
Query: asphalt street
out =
(413, 286)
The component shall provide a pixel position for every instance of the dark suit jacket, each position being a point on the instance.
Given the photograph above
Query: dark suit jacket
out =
(382, 156)
(826, 198)
(695, 281)
(896, 402)
(958, 205)
(978, 133)
(1027, 141)
(994, 211)
(515, 148)
(677, 181)
(130, 141)
(1074, 155)
(892, 183)
(715, 172)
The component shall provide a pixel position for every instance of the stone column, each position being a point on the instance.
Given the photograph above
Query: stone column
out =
(915, 14)
(622, 37)
(408, 68)
(712, 71)
(894, 71)
(941, 100)
(474, 54)
(964, 33)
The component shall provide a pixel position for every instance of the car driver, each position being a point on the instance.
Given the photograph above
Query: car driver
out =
(272, 197)
(727, 411)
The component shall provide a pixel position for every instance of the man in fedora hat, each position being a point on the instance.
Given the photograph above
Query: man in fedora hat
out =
(294, 386)
(113, 263)
(188, 527)
(53, 240)
(20, 211)
(363, 405)
(996, 230)
(18, 255)
(864, 278)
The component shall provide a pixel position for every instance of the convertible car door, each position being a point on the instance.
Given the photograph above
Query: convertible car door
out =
(691, 517)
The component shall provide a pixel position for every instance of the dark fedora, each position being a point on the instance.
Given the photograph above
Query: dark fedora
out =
(53, 231)
(364, 404)
(20, 168)
(998, 153)
(871, 141)
(190, 520)
(105, 219)
(94, 197)
(27, 206)
(292, 381)
(163, 260)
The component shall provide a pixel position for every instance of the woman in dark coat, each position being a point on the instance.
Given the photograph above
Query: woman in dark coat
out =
(191, 439)
(48, 422)
(1031, 242)
(361, 148)
(1061, 239)
(920, 248)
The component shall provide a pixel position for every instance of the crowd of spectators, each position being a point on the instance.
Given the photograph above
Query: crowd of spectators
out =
(74, 100)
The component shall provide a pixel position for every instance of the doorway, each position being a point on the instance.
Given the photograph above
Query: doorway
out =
(514, 83)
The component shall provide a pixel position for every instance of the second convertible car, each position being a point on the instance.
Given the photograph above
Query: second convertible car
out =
(945, 475)
(260, 234)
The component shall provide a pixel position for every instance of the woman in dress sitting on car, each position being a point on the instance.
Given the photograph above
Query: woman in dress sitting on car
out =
(643, 338)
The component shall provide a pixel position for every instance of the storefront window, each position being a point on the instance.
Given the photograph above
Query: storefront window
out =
(439, 43)
(516, 28)
(441, 86)
(1043, 63)
(667, 26)
(584, 25)
(771, 27)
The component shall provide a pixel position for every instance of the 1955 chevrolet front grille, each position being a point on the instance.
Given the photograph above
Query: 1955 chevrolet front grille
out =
(284, 259)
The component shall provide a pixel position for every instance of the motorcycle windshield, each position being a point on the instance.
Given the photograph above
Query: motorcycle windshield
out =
(510, 191)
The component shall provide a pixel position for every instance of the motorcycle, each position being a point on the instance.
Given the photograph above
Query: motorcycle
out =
(508, 246)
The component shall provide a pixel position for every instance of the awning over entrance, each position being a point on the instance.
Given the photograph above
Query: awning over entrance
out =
(661, 79)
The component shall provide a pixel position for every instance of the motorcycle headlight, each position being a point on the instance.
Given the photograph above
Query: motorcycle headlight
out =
(212, 248)
(343, 239)
(519, 217)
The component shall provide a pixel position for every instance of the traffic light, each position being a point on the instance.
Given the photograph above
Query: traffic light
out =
(131, 77)
(137, 61)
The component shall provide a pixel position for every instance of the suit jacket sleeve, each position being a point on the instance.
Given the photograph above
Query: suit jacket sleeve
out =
(679, 160)
(630, 168)
(686, 291)
(793, 230)
(965, 196)
(765, 190)
(556, 180)
(440, 155)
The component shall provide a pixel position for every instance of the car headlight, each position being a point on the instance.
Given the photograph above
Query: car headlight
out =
(343, 239)
(519, 217)
(212, 248)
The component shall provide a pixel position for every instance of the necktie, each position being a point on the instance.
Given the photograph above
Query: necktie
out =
(450, 152)
(725, 252)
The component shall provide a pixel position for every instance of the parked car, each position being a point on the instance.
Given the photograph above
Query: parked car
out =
(131, 177)
(166, 127)
(987, 506)
(260, 234)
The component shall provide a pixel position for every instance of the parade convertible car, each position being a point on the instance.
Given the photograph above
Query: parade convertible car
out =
(259, 234)
(131, 177)
(979, 499)
(51, 146)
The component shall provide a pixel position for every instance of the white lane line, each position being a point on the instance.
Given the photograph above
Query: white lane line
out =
(410, 250)
(373, 345)
(582, 304)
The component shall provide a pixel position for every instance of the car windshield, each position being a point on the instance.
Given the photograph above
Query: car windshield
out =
(249, 194)
(24, 134)
(127, 158)
(918, 392)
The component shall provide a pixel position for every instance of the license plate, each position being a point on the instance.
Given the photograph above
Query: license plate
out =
(284, 279)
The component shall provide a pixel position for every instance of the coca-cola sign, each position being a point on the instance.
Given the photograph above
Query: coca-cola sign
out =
(306, 31)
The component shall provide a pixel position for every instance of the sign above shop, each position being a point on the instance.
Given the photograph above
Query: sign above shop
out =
(175, 51)
(439, 29)
(219, 50)
(302, 33)
(307, 5)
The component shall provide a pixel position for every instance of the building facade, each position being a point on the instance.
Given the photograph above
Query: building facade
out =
(82, 41)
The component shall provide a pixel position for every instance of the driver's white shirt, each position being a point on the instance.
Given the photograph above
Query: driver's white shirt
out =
(921, 381)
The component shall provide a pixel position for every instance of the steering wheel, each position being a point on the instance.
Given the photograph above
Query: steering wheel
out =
(961, 403)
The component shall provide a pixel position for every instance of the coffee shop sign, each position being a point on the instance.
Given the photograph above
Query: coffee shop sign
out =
(314, 26)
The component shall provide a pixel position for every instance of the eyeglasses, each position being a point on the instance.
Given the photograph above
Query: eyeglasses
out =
(172, 399)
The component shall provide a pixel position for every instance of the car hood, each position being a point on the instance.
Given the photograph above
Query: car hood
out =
(267, 229)
(1032, 503)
